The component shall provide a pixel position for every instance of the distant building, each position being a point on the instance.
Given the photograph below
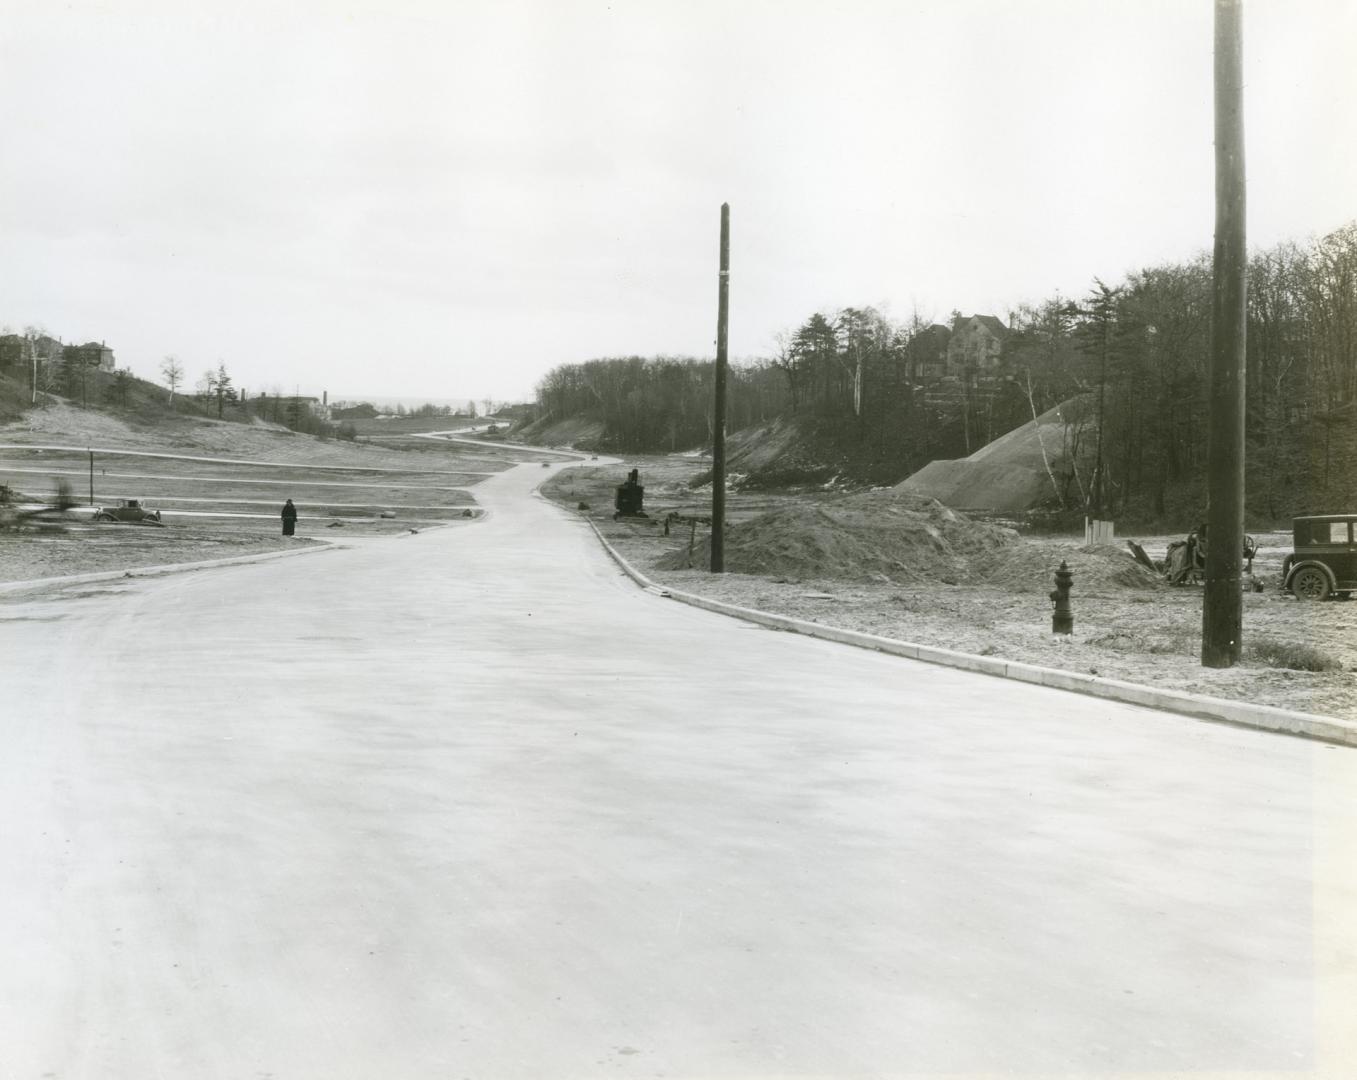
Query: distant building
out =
(975, 345)
(12, 352)
(312, 406)
(926, 353)
(18, 350)
(95, 354)
(362, 411)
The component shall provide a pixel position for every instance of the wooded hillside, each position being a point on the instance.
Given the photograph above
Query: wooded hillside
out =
(881, 398)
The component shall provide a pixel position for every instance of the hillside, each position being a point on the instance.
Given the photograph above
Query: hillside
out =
(134, 400)
(1012, 473)
(148, 423)
(578, 431)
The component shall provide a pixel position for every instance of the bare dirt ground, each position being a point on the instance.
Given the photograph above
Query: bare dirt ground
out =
(219, 499)
(92, 549)
(1128, 625)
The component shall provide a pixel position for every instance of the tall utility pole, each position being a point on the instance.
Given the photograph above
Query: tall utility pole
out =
(1222, 601)
(1102, 423)
(718, 441)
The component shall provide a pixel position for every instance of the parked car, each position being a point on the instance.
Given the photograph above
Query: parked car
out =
(1323, 559)
(128, 511)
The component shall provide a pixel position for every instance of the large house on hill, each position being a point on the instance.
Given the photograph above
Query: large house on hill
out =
(975, 345)
(926, 353)
(969, 349)
(95, 354)
(19, 350)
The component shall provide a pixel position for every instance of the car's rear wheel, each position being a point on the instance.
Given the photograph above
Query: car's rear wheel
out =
(1310, 584)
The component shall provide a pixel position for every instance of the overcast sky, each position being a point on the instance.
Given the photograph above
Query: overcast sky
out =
(446, 199)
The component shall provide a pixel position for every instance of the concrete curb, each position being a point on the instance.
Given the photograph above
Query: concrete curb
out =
(160, 571)
(1264, 717)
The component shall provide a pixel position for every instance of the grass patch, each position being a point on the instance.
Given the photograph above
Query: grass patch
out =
(1291, 654)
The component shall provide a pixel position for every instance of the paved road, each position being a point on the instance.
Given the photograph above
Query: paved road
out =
(468, 804)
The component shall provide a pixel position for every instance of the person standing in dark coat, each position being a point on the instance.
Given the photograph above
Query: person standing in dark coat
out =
(289, 518)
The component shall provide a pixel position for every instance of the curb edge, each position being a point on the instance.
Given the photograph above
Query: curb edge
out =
(1198, 706)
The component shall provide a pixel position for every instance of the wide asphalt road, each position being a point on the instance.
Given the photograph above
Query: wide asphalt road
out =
(469, 804)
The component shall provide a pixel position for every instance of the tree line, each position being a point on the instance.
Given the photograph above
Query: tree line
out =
(659, 403)
(884, 397)
(1140, 353)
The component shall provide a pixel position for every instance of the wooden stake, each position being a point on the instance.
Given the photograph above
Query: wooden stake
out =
(1222, 599)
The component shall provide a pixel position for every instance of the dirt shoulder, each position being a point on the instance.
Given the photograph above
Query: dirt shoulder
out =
(1138, 632)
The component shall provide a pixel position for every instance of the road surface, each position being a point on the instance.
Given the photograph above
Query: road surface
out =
(469, 804)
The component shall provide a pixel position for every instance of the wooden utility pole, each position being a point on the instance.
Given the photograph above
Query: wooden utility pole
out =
(718, 442)
(1102, 420)
(91, 453)
(1222, 601)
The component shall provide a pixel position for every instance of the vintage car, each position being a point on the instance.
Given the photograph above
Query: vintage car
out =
(128, 511)
(1323, 559)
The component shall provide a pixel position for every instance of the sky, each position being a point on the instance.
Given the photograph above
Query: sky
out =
(447, 199)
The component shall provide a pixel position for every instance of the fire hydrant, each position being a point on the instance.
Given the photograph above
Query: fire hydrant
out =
(1062, 620)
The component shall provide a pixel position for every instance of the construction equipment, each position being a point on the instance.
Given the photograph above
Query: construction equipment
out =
(630, 497)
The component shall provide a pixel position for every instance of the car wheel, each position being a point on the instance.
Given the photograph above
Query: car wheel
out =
(1310, 584)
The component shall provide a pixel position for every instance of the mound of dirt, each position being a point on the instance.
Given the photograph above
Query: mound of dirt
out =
(1007, 474)
(887, 536)
(880, 535)
(995, 485)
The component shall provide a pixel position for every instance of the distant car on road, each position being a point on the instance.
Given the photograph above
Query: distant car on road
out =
(129, 512)
(1323, 559)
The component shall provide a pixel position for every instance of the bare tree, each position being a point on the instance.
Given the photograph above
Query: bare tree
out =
(787, 361)
(1041, 442)
(207, 386)
(39, 371)
(173, 373)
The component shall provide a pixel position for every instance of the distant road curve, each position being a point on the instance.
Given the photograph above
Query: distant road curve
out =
(459, 436)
